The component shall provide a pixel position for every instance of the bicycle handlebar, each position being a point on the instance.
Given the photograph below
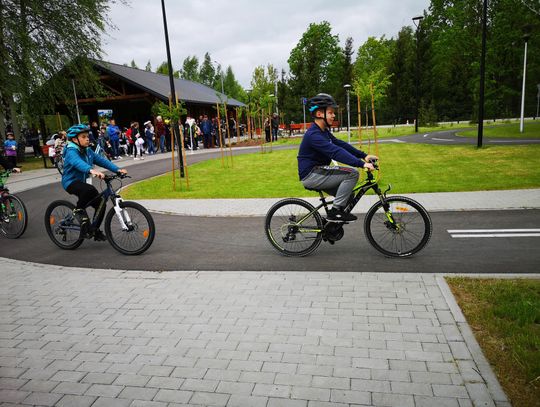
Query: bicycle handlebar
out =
(109, 178)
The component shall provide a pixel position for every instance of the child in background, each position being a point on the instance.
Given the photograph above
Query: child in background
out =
(10, 148)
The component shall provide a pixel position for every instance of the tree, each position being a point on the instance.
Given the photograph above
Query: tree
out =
(37, 40)
(148, 67)
(316, 60)
(402, 65)
(190, 69)
(133, 64)
(163, 69)
(207, 72)
(371, 68)
(232, 87)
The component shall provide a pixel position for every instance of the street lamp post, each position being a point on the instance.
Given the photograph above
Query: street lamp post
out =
(347, 88)
(249, 129)
(173, 91)
(417, 20)
(482, 78)
(526, 37)
(76, 102)
(537, 100)
(304, 101)
(221, 76)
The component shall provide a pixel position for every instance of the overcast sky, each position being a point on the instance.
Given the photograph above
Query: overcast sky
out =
(244, 33)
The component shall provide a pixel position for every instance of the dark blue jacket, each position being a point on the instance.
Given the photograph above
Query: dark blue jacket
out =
(113, 132)
(319, 148)
(206, 126)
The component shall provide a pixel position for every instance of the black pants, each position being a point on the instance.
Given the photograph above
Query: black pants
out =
(85, 192)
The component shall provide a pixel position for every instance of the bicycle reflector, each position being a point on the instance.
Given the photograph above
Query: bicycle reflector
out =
(52, 221)
(402, 209)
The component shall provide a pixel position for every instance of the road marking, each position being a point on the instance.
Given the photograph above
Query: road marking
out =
(468, 233)
(425, 135)
(441, 139)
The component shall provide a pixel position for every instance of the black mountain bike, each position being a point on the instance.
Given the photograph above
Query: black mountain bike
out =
(396, 226)
(129, 227)
(13, 214)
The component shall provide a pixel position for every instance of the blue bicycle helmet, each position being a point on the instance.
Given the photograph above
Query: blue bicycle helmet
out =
(74, 131)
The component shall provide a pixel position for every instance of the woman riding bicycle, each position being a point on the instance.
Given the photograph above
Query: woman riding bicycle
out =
(318, 148)
(78, 163)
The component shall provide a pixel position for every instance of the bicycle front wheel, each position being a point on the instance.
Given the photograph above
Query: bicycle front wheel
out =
(134, 232)
(13, 217)
(401, 231)
(294, 227)
(62, 227)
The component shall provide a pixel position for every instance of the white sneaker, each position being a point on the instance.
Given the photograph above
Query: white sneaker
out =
(142, 158)
(136, 158)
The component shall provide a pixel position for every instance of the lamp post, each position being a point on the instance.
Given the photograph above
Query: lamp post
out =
(537, 100)
(173, 92)
(417, 20)
(76, 103)
(304, 101)
(347, 87)
(482, 78)
(526, 36)
(221, 76)
(248, 91)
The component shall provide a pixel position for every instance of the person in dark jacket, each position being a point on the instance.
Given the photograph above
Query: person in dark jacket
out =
(317, 150)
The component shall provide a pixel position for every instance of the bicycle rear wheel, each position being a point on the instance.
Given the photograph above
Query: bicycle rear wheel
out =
(59, 163)
(13, 217)
(294, 227)
(402, 231)
(62, 227)
(140, 231)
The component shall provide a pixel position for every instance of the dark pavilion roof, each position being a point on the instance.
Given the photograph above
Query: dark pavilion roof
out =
(159, 85)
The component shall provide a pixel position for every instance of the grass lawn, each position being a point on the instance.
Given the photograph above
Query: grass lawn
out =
(32, 163)
(408, 167)
(505, 318)
(531, 130)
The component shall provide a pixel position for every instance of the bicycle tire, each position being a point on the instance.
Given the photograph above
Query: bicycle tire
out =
(14, 219)
(118, 238)
(61, 225)
(413, 232)
(280, 216)
(59, 163)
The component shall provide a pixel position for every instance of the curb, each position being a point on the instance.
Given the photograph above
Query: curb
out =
(495, 392)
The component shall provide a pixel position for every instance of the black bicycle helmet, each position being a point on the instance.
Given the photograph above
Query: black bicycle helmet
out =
(321, 101)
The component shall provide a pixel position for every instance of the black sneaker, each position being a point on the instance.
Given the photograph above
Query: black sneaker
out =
(336, 215)
(99, 236)
(84, 221)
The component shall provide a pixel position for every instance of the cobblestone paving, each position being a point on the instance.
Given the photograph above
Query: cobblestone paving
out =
(74, 337)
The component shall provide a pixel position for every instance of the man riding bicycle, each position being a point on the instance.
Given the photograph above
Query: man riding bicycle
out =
(317, 150)
(78, 163)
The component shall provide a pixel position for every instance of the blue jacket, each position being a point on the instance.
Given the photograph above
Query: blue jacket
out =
(206, 127)
(113, 132)
(77, 164)
(319, 148)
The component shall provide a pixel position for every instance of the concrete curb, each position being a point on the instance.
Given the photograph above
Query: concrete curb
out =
(485, 371)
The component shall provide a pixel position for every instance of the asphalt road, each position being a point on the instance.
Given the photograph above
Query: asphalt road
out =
(200, 243)
(196, 243)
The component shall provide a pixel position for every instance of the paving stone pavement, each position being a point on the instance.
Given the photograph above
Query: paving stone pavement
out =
(85, 337)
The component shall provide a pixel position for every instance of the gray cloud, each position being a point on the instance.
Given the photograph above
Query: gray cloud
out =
(243, 33)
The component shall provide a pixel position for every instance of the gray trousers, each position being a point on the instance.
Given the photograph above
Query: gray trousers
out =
(336, 181)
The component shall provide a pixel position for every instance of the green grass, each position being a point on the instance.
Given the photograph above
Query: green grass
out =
(408, 167)
(32, 163)
(505, 317)
(531, 131)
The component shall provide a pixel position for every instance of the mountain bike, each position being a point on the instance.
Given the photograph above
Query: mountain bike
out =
(397, 226)
(129, 227)
(13, 213)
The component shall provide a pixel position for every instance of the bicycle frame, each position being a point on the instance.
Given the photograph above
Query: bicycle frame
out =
(359, 191)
